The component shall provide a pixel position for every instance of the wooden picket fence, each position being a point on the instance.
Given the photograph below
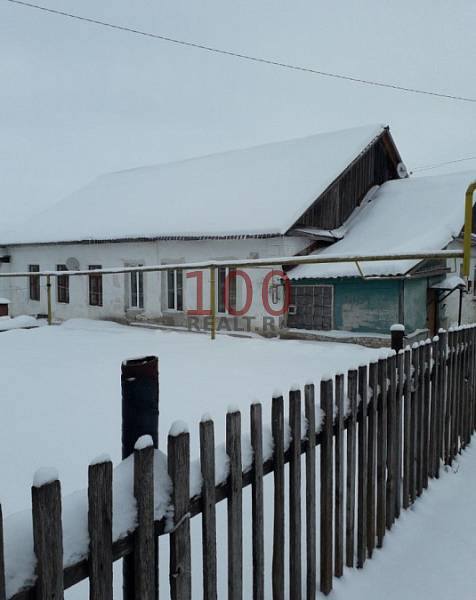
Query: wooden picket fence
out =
(387, 428)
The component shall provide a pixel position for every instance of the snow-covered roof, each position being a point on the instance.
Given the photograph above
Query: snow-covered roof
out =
(420, 214)
(450, 282)
(256, 191)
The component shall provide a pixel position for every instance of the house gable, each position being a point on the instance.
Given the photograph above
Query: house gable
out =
(375, 165)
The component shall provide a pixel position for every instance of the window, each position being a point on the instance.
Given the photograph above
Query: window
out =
(175, 289)
(34, 282)
(137, 289)
(62, 285)
(226, 277)
(95, 286)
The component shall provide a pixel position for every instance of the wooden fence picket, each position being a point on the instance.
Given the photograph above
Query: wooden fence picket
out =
(257, 517)
(449, 399)
(144, 535)
(100, 530)
(3, 594)
(48, 539)
(311, 525)
(209, 543)
(235, 507)
(277, 423)
(426, 413)
(391, 440)
(326, 488)
(362, 470)
(295, 495)
(372, 458)
(468, 387)
(457, 392)
(466, 378)
(442, 399)
(454, 394)
(473, 379)
(462, 414)
(407, 428)
(420, 418)
(434, 409)
(399, 433)
(472, 370)
(339, 478)
(351, 468)
(381, 451)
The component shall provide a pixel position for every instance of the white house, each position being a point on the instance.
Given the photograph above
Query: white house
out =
(274, 200)
(338, 192)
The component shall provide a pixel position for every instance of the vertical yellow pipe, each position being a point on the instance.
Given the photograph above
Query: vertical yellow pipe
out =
(468, 229)
(213, 308)
(48, 292)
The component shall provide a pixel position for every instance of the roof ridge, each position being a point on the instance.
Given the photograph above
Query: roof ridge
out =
(376, 126)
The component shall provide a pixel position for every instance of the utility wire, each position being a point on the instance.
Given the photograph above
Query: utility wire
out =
(247, 57)
(448, 162)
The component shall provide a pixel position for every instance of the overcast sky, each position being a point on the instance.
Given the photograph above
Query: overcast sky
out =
(77, 100)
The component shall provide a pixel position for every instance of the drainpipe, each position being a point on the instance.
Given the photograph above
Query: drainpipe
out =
(460, 309)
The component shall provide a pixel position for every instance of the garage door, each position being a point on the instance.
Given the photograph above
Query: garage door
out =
(311, 307)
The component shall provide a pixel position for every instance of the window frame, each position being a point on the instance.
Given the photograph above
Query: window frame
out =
(62, 286)
(96, 296)
(34, 283)
(175, 292)
(136, 284)
(221, 292)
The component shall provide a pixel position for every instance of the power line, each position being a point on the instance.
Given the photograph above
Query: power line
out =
(442, 164)
(247, 57)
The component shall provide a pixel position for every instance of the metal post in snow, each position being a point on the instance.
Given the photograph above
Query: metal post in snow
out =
(140, 416)
(397, 334)
(48, 294)
(213, 311)
(460, 307)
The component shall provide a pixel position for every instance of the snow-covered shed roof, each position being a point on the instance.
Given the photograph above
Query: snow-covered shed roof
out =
(257, 191)
(420, 214)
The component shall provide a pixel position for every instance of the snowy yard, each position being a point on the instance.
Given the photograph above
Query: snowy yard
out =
(61, 392)
(61, 407)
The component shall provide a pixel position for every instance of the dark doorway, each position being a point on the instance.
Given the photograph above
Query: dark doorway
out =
(311, 307)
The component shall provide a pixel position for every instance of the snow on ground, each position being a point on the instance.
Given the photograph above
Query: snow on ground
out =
(20, 322)
(429, 555)
(61, 395)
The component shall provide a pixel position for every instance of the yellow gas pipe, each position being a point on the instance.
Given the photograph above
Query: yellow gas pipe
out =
(468, 229)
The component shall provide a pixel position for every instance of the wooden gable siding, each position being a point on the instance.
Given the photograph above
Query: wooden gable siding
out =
(430, 267)
(377, 164)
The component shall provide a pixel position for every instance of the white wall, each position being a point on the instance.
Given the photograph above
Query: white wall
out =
(469, 300)
(116, 287)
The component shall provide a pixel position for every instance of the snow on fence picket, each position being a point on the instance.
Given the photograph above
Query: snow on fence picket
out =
(382, 430)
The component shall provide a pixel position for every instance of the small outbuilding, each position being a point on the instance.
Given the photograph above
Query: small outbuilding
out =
(413, 215)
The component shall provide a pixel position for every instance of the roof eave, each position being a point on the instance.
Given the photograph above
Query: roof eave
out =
(162, 238)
